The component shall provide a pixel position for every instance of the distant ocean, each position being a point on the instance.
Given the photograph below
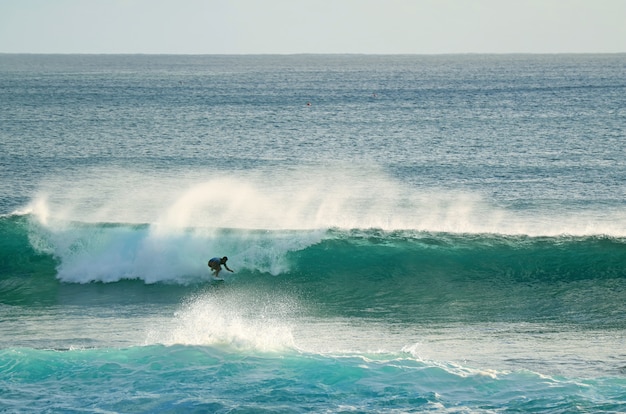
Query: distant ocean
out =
(408, 234)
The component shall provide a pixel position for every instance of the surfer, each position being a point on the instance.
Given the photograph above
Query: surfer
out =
(215, 264)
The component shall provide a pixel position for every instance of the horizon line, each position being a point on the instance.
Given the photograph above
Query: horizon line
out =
(305, 53)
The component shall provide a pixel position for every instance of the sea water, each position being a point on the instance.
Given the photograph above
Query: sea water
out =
(408, 233)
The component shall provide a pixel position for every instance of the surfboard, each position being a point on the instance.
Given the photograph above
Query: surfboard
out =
(217, 279)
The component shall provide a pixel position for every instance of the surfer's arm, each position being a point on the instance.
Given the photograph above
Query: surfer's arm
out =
(227, 268)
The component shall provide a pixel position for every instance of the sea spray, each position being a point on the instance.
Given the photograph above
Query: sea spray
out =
(300, 198)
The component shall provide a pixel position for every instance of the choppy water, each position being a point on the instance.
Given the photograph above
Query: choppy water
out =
(408, 233)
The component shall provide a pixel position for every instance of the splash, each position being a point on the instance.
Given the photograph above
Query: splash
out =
(239, 319)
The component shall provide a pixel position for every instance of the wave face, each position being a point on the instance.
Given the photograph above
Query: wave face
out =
(367, 273)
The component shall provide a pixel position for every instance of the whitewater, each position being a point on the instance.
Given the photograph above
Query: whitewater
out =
(408, 233)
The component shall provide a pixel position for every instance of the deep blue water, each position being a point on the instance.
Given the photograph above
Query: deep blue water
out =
(408, 233)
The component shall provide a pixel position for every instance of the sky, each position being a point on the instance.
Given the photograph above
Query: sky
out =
(312, 26)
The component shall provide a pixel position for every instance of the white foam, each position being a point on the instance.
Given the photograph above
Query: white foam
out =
(109, 253)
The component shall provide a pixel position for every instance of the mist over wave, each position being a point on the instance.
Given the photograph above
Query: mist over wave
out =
(345, 197)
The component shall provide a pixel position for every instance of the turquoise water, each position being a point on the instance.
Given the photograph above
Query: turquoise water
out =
(408, 233)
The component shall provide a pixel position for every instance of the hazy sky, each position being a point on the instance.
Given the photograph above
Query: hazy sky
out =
(312, 26)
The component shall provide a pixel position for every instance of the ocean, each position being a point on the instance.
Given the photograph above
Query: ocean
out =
(438, 234)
